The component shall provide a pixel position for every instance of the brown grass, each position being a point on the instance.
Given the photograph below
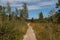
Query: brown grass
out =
(46, 31)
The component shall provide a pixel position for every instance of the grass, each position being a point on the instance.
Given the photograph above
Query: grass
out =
(46, 31)
(12, 30)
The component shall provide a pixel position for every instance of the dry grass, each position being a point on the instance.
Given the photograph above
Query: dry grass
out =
(12, 30)
(46, 31)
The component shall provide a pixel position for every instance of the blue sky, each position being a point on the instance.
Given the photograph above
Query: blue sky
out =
(34, 6)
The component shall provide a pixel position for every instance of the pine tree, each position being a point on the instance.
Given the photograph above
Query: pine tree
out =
(58, 4)
(40, 16)
(58, 13)
(52, 14)
(32, 19)
(0, 9)
(25, 11)
(16, 11)
(4, 9)
(0, 15)
(21, 13)
(8, 8)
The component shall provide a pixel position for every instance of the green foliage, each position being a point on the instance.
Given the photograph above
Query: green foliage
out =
(8, 8)
(43, 21)
(58, 4)
(41, 16)
(16, 11)
(0, 8)
(58, 17)
(52, 17)
(21, 13)
(32, 19)
(25, 11)
(4, 9)
(55, 18)
(58, 13)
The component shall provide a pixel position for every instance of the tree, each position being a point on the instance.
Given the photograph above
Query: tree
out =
(8, 8)
(0, 9)
(52, 15)
(52, 12)
(13, 16)
(21, 13)
(58, 4)
(32, 19)
(58, 13)
(3, 13)
(0, 15)
(40, 16)
(16, 11)
(4, 9)
(25, 11)
(58, 17)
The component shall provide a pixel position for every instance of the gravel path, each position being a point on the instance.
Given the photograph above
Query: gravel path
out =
(30, 35)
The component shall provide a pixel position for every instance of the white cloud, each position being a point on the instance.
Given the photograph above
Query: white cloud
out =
(14, 5)
(20, 0)
(34, 7)
(30, 7)
(46, 3)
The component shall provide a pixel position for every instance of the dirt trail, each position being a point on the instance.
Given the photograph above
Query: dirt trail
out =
(30, 35)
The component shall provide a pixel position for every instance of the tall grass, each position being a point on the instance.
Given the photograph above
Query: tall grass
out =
(47, 31)
(12, 30)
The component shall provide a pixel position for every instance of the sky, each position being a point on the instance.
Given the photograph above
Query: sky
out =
(34, 6)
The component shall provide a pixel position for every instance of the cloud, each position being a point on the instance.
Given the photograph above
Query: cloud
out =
(38, 4)
(46, 3)
(20, 0)
(14, 5)
(34, 7)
